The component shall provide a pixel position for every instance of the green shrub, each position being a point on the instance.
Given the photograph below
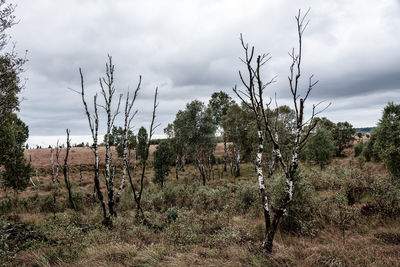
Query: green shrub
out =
(320, 147)
(247, 195)
(47, 204)
(303, 216)
(358, 148)
(387, 139)
(386, 196)
(340, 213)
(171, 214)
(206, 199)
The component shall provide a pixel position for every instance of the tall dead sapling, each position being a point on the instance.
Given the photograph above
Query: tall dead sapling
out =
(66, 173)
(137, 192)
(53, 175)
(254, 89)
(94, 129)
(108, 91)
(80, 175)
(30, 177)
(127, 128)
(56, 172)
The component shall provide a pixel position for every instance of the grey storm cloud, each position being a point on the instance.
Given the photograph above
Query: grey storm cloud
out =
(190, 49)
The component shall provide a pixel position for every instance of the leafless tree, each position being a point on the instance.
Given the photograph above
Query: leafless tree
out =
(93, 121)
(52, 170)
(57, 169)
(254, 89)
(30, 177)
(127, 127)
(54, 181)
(66, 173)
(137, 192)
(108, 91)
(80, 176)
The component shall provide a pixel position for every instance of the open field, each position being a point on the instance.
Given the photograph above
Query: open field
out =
(81, 155)
(220, 224)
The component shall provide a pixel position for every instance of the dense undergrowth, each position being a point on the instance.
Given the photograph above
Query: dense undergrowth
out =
(344, 215)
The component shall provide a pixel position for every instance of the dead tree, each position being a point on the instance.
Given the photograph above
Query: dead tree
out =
(137, 192)
(57, 163)
(53, 178)
(52, 171)
(30, 177)
(80, 176)
(37, 176)
(108, 91)
(94, 129)
(127, 127)
(66, 173)
(254, 89)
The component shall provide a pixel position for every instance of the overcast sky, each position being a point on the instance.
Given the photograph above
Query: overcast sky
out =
(191, 49)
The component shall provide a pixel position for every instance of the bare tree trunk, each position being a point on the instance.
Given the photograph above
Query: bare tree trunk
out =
(183, 161)
(137, 193)
(66, 175)
(94, 128)
(201, 170)
(108, 90)
(52, 171)
(254, 92)
(127, 126)
(237, 162)
(177, 167)
(30, 177)
(225, 152)
(37, 176)
(53, 179)
(80, 176)
(271, 167)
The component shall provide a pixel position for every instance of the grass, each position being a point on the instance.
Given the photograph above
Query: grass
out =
(214, 225)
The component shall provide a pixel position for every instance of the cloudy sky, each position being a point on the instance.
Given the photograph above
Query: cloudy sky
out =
(191, 49)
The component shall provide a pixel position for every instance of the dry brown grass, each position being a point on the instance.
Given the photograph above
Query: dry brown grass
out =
(212, 236)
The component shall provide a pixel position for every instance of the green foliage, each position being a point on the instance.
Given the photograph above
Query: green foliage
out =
(161, 163)
(172, 214)
(219, 105)
(247, 196)
(387, 134)
(283, 119)
(241, 130)
(326, 124)
(320, 147)
(342, 214)
(13, 134)
(386, 196)
(369, 153)
(14, 172)
(358, 149)
(117, 139)
(10, 83)
(141, 149)
(343, 135)
(302, 218)
(195, 127)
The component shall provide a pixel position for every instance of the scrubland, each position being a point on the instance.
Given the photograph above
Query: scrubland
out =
(344, 215)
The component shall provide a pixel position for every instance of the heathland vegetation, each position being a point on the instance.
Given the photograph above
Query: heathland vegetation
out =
(249, 183)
